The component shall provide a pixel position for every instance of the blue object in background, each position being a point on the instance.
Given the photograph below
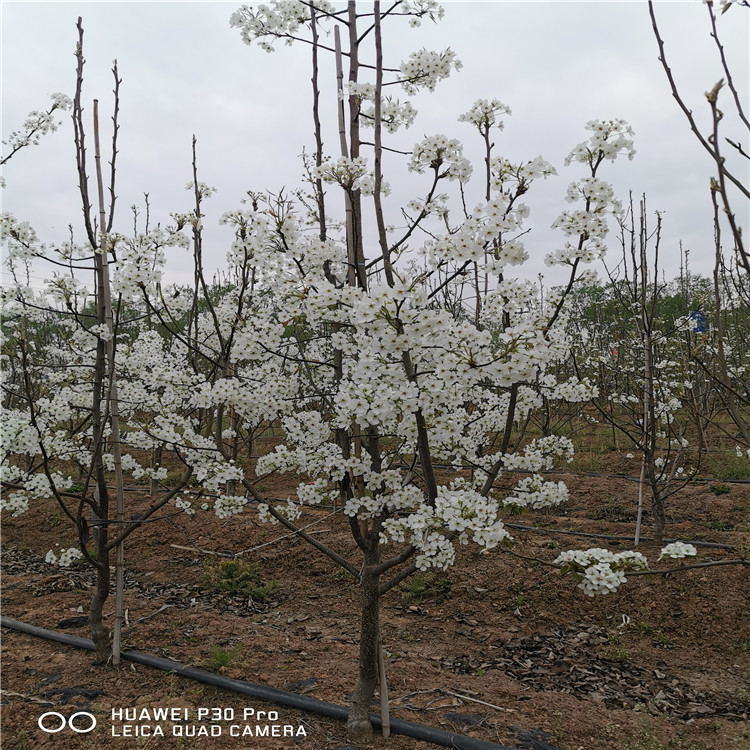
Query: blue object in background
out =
(699, 321)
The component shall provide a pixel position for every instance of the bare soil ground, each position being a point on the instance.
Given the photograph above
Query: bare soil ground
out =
(499, 648)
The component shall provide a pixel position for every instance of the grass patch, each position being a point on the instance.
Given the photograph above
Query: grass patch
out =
(720, 525)
(726, 466)
(423, 586)
(663, 641)
(618, 655)
(219, 657)
(720, 489)
(238, 578)
(585, 462)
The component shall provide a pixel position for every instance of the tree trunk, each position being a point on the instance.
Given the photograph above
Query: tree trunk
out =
(660, 517)
(99, 632)
(657, 501)
(358, 728)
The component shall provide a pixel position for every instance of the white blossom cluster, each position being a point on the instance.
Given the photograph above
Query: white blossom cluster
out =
(350, 174)
(539, 454)
(601, 578)
(204, 190)
(289, 510)
(226, 506)
(34, 485)
(65, 289)
(66, 559)
(418, 9)
(600, 571)
(14, 503)
(37, 124)
(435, 204)
(184, 503)
(609, 139)
(459, 514)
(141, 259)
(17, 434)
(678, 551)
(598, 194)
(315, 493)
(484, 114)
(533, 492)
(510, 177)
(394, 114)
(574, 390)
(281, 19)
(426, 68)
(443, 155)
(20, 239)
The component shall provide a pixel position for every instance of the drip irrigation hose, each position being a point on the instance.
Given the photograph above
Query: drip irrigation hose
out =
(546, 530)
(274, 695)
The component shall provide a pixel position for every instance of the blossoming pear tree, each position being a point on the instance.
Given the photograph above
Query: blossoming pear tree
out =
(642, 382)
(78, 373)
(375, 381)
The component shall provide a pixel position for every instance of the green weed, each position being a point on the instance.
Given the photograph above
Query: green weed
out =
(219, 657)
(619, 655)
(720, 489)
(427, 586)
(663, 641)
(518, 599)
(720, 525)
(238, 578)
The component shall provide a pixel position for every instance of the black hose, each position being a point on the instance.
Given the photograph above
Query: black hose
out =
(547, 530)
(280, 697)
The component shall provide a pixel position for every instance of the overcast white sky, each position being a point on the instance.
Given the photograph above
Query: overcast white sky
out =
(185, 71)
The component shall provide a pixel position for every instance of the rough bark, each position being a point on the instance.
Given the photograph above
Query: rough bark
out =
(358, 728)
(99, 632)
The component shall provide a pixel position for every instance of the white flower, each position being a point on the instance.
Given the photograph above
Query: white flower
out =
(610, 138)
(678, 551)
(442, 154)
(599, 570)
(66, 559)
(425, 68)
(483, 114)
(203, 189)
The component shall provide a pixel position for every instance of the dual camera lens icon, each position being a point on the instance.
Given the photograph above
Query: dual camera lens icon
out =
(53, 722)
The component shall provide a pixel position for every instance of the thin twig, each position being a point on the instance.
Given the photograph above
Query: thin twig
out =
(476, 700)
(203, 551)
